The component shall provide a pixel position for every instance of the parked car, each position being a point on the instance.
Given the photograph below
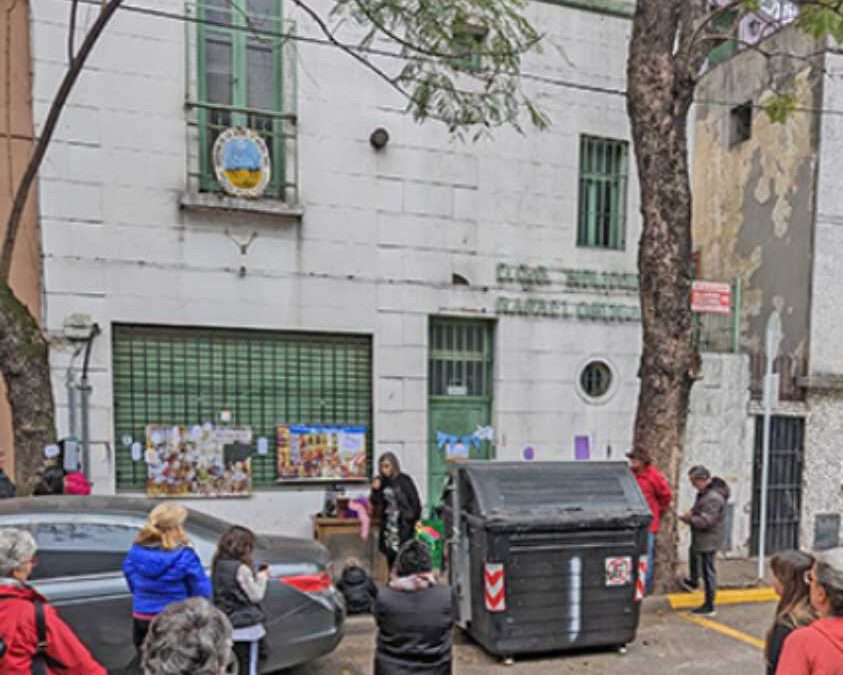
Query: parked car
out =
(82, 542)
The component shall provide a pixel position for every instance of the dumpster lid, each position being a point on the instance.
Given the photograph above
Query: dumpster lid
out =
(532, 491)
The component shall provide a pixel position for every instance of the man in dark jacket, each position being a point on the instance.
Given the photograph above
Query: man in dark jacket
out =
(415, 617)
(707, 519)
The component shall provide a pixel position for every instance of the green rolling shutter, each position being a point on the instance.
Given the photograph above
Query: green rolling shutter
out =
(186, 376)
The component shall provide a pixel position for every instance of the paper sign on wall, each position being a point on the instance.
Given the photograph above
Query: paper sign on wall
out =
(582, 448)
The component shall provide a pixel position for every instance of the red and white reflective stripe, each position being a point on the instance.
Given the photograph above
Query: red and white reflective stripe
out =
(640, 582)
(495, 589)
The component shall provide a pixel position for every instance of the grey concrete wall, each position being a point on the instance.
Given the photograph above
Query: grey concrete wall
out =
(754, 202)
(822, 477)
(720, 436)
(826, 318)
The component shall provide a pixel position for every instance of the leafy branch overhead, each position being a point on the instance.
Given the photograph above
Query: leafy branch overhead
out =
(459, 59)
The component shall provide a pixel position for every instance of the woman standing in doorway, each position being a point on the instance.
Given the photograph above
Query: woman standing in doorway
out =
(395, 502)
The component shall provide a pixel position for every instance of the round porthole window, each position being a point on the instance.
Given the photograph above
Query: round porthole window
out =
(596, 379)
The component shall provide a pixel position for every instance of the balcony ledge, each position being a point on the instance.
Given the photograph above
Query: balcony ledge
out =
(269, 208)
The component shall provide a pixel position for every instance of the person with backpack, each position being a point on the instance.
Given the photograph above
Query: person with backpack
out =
(33, 637)
(238, 591)
(357, 588)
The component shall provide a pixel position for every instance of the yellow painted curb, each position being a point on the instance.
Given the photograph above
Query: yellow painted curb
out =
(736, 596)
(723, 629)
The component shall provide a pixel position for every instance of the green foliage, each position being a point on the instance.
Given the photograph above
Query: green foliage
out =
(779, 107)
(822, 19)
(461, 59)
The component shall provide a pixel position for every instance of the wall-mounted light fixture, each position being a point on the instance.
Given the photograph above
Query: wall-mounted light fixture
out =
(379, 138)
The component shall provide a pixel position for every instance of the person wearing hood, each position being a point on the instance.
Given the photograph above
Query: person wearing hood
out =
(357, 588)
(707, 519)
(162, 568)
(395, 501)
(817, 649)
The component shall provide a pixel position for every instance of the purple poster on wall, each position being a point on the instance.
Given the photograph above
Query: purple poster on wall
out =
(582, 448)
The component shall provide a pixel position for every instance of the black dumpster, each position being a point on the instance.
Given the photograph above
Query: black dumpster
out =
(545, 555)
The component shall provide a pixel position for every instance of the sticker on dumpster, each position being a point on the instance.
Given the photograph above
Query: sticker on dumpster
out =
(640, 582)
(495, 590)
(618, 571)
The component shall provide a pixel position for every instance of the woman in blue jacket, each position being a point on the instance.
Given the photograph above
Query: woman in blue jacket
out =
(162, 567)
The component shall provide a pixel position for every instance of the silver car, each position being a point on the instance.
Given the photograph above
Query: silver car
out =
(82, 542)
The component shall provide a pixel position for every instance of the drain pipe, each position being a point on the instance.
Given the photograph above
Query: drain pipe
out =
(85, 390)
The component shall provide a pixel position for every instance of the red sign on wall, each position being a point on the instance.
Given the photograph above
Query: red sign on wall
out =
(711, 297)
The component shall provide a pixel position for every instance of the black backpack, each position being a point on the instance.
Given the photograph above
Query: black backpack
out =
(358, 589)
(41, 659)
(7, 487)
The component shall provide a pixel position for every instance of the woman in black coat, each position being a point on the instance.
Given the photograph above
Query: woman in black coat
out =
(415, 617)
(395, 502)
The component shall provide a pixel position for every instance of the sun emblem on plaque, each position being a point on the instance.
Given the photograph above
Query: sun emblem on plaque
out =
(241, 162)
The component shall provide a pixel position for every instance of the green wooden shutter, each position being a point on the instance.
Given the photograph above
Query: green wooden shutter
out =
(186, 376)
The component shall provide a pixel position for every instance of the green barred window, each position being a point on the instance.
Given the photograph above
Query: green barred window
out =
(602, 205)
(186, 376)
(460, 358)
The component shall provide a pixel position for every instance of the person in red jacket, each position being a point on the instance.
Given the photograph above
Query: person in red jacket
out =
(64, 653)
(658, 494)
(818, 649)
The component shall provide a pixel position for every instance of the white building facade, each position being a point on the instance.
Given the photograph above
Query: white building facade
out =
(423, 289)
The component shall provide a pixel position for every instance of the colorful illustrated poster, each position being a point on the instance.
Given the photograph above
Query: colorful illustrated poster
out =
(328, 453)
(200, 461)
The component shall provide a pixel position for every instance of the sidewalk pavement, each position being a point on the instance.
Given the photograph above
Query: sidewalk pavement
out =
(667, 642)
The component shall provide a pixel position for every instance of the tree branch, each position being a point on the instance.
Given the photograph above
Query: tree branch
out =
(56, 107)
(8, 97)
(71, 31)
(323, 26)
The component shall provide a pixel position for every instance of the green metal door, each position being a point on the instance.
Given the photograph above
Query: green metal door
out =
(459, 390)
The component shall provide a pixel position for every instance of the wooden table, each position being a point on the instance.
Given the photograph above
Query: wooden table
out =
(341, 536)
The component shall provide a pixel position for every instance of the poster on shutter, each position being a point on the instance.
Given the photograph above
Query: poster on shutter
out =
(321, 453)
(182, 463)
(619, 571)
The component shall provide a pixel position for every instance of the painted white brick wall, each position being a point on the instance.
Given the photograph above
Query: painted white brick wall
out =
(381, 236)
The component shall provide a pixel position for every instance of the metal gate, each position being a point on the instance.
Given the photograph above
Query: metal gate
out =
(784, 496)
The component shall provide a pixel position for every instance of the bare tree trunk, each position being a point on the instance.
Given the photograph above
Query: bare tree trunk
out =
(25, 367)
(658, 102)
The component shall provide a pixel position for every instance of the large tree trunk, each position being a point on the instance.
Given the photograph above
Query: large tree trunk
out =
(25, 367)
(658, 102)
